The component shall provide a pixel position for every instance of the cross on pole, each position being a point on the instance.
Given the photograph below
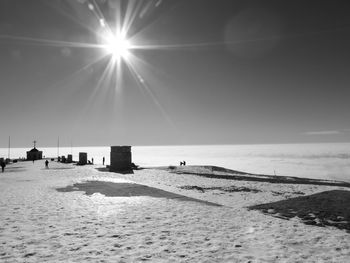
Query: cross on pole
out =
(34, 143)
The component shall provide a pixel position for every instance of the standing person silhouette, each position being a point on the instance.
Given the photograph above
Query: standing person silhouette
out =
(103, 161)
(47, 164)
(3, 166)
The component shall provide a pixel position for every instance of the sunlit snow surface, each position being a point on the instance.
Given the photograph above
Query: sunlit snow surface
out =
(39, 224)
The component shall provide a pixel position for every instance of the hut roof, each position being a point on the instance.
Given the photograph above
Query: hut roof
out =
(33, 150)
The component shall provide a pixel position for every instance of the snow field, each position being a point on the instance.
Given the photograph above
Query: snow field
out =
(40, 224)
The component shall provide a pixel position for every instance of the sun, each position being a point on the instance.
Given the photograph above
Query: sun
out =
(118, 46)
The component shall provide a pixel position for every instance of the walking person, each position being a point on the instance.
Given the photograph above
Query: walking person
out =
(3, 166)
(103, 160)
(46, 164)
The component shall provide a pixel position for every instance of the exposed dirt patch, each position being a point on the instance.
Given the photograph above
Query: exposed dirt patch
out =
(330, 208)
(228, 189)
(223, 173)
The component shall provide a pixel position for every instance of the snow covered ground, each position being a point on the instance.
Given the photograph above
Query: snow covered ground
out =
(40, 224)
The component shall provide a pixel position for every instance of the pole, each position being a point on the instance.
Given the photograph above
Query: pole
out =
(58, 146)
(9, 151)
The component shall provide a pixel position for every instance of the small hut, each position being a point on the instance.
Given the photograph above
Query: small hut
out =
(82, 158)
(34, 154)
(121, 159)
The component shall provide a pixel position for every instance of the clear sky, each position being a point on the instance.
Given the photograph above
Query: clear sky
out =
(198, 72)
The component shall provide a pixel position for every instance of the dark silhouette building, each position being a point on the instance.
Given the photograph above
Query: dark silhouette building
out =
(34, 154)
(82, 158)
(120, 159)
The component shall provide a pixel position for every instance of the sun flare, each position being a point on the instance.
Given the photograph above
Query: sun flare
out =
(117, 46)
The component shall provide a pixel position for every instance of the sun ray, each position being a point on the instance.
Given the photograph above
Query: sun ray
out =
(142, 30)
(106, 72)
(66, 14)
(78, 71)
(144, 63)
(99, 15)
(118, 18)
(49, 42)
(227, 43)
(131, 14)
(177, 46)
(83, 112)
(118, 76)
(142, 84)
(97, 89)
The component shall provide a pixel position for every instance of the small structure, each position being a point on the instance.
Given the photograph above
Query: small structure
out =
(34, 154)
(82, 158)
(69, 158)
(120, 159)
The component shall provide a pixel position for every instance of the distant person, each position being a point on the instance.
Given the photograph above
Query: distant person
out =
(103, 161)
(47, 164)
(3, 166)
(92, 160)
(33, 160)
(184, 162)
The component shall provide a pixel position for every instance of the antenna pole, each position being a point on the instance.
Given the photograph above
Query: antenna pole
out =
(9, 151)
(58, 146)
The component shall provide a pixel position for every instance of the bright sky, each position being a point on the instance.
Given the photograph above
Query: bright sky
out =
(186, 72)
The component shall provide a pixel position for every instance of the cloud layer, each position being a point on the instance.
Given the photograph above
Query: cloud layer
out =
(330, 132)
